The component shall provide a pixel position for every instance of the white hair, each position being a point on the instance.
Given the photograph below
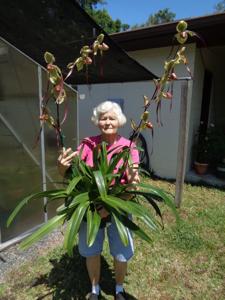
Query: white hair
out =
(105, 107)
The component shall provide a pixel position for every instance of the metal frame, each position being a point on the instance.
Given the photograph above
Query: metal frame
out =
(42, 140)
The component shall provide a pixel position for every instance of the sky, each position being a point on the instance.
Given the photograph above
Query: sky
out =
(137, 11)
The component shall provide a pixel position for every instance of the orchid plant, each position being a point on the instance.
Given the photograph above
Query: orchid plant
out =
(86, 187)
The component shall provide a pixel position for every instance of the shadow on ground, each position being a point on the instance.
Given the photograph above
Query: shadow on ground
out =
(68, 279)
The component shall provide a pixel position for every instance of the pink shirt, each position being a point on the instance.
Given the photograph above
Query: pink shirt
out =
(90, 143)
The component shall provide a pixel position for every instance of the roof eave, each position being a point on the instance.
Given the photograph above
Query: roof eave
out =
(209, 27)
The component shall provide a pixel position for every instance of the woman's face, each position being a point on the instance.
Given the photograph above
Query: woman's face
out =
(108, 123)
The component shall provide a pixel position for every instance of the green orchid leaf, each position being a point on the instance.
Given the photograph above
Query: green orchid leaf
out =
(128, 223)
(42, 231)
(132, 208)
(89, 216)
(122, 230)
(113, 149)
(143, 171)
(82, 197)
(49, 200)
(142, 193)
(73, 227)
(26, 200)
(100, 161)
(151, 201)
(73, 184)
(80, 153)
(80, 166)
(139, 148)
(115, 159)
(118, 203)
(147, 188)
(143, 214)
(85, 169)
(77, 199)
(100, 182)
(117, 189)
(93, 223)
(96, 156)
(135, 229)
(86, 184)
(111, 176)
(75, 167)
(62, 209)
(103, 158)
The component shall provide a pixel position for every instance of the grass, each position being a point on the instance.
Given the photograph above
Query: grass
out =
(184, 262)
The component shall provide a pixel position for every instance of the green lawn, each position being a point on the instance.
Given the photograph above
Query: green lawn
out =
(184, 262)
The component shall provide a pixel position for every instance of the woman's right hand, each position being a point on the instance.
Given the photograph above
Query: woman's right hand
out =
(64, 160)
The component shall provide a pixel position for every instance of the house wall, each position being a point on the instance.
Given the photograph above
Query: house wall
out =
(163, 160)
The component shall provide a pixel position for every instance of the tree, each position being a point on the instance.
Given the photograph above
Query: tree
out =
(125, 27)
(160, 17)
(102, 17)
(91, 4)
(220, 6)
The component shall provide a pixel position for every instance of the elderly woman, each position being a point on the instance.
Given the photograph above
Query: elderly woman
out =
(108, 117)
